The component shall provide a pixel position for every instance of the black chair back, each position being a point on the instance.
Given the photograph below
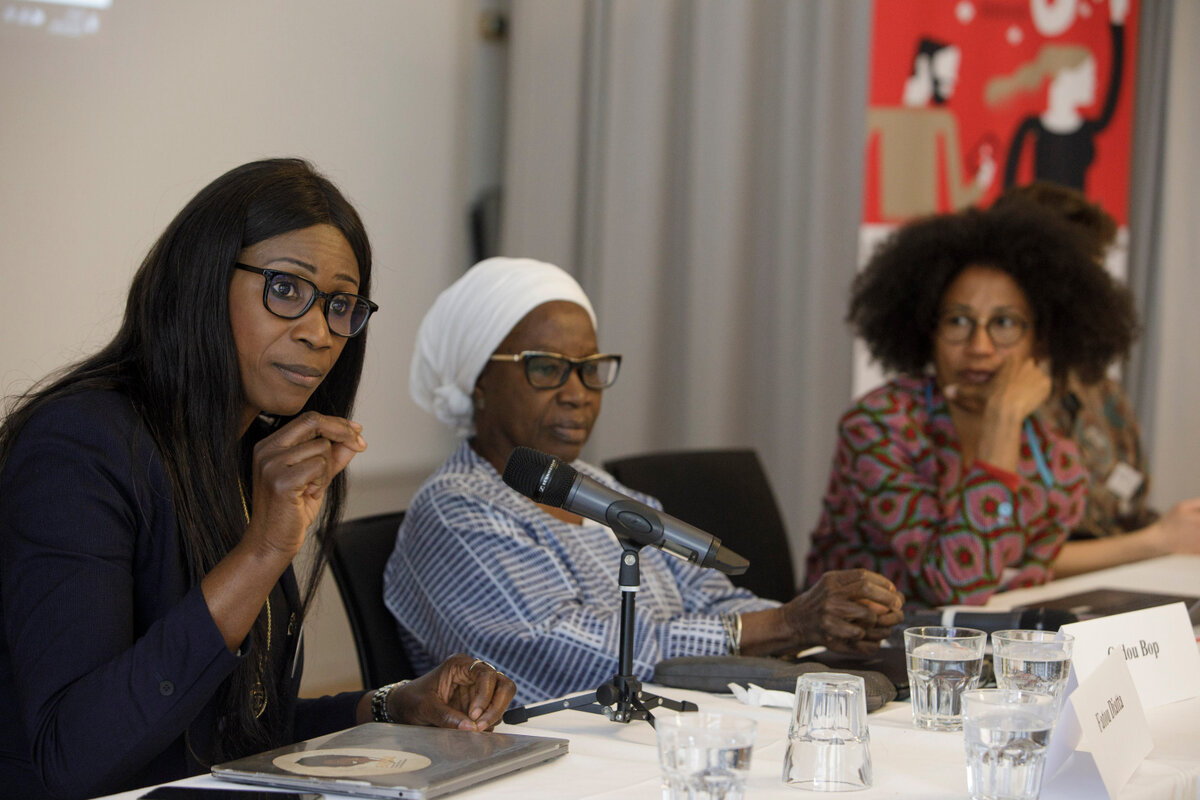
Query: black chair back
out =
(727, 494)
(360, 551)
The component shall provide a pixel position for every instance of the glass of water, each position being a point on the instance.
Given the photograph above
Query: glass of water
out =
(828, 743)
(942, 664)
(1006, 732)
(704, 756)
(1035, 661)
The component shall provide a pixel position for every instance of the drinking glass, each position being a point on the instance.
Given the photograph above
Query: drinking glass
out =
(704, 756)
(942, 664)
(1035, 661)
(1006, 732)
(828, 743)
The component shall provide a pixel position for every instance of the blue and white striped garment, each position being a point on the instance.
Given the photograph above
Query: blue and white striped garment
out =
(480, 569)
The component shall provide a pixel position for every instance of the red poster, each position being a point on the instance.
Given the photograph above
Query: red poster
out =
(970, 96)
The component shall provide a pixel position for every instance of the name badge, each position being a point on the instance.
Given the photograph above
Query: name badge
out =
(1124, 481)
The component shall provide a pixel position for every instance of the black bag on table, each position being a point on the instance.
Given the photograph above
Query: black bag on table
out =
(715, 673)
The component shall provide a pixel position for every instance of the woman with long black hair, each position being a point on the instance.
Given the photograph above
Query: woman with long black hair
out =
(153, 496)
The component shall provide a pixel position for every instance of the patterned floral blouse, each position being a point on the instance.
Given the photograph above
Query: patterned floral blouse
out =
(900, 502)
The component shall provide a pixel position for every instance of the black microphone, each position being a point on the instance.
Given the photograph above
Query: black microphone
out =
(1038, 619)
(544, 479)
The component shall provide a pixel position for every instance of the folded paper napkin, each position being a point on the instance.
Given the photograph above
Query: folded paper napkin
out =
(755, 695)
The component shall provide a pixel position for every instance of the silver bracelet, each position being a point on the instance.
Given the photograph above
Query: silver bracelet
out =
(732, 624)
(379, 709)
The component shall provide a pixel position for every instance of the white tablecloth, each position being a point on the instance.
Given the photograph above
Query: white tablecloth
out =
(611, 760)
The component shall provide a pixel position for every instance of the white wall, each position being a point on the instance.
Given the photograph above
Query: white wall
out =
(104, 137)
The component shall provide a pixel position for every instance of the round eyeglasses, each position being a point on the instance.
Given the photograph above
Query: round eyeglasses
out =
(1004, 330)
(290, 296)
(550, 370)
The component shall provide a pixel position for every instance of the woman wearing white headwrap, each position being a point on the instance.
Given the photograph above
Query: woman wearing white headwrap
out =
(508, 357)
(469, 320)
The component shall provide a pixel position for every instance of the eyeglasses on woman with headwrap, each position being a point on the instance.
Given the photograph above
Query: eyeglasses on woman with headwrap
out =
(550, 370)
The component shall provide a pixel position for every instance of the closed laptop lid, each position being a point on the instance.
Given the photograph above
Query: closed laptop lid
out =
(398, 761)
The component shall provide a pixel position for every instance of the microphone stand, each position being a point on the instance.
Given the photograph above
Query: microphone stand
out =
(621, 698)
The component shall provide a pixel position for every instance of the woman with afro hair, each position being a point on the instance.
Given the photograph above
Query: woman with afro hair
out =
(950, 479)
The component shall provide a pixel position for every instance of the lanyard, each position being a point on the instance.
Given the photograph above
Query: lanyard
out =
(1035, 444)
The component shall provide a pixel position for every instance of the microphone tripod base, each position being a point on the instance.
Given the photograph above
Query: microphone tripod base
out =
(620, 699)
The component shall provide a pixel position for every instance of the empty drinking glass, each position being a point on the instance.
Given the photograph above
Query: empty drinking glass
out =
(828, 743)
(1006, 732)
(942, 664)
(704, 756)
(1036, 661)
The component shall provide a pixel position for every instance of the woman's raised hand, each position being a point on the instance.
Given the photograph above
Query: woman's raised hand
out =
(1020, 387)
(292, 469)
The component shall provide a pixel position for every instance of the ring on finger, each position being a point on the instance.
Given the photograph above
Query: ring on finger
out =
(479, 661)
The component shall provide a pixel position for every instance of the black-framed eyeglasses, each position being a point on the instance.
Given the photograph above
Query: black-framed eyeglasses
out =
(1004, 330)
(290, 296)
(550, 370)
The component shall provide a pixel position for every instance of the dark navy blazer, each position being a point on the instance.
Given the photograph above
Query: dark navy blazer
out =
(108, 653)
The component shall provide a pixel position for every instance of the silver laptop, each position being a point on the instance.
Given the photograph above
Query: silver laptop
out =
(399, 761)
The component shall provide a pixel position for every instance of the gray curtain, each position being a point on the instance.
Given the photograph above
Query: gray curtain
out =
(697, 164)
(1146, 181)
(1167, 378)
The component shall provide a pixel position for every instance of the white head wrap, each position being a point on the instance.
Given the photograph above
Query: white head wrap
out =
(468, 322)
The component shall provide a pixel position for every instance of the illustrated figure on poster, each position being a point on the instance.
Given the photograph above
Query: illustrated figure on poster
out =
(1063, 140)
(919, 142)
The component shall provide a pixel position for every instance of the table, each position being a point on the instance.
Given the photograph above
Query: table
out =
(610, 760)
(1166, 575)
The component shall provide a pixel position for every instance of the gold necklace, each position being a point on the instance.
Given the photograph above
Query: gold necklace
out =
(258, 695)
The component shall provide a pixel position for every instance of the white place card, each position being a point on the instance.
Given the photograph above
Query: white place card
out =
(1102, 729)
(1157, 643)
